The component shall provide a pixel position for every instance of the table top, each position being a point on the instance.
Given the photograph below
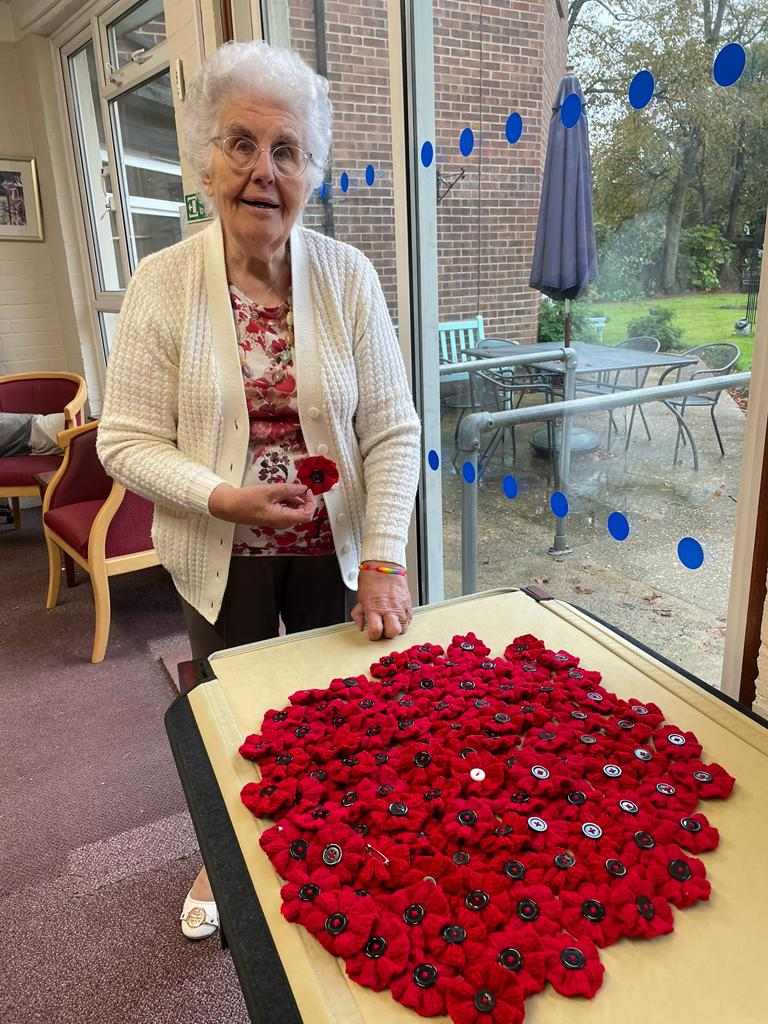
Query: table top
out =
(591, 358)
(288, 979)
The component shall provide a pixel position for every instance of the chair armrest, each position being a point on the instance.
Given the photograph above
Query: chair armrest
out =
(74, 407)
(668, 371)
(708, 373)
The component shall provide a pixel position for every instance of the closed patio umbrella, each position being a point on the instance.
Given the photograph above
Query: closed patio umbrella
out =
(565, 253)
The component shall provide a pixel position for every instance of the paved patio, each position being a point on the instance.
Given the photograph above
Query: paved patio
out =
(638, 585)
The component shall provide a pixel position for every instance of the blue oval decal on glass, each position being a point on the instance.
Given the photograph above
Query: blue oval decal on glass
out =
(344, 181)
(509, 486)
(618, 526)
(370, 174)
(468, 472)
(570, 112)
(433, 459)
(324, 191)
(514, 128)
(640, 90)
(427, 154)
(559, 504)
(729, 64)
(466, 141)
(690, 553)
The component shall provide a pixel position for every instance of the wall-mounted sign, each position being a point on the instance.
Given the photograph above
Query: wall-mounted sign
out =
(195, 208)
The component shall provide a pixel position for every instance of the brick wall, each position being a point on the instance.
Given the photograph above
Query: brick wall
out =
(486, 224)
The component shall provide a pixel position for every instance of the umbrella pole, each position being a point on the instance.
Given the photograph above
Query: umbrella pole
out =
(561, 545)
(568, 324)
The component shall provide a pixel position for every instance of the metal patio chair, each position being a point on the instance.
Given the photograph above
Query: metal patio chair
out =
(503, 389)
(610, 381)
(711, 361)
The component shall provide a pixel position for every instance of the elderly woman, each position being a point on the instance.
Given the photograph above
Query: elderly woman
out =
(243, 350)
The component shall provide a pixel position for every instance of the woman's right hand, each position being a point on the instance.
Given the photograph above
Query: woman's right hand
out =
(277, 505)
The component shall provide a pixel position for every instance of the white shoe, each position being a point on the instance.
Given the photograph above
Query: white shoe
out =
(199, 918)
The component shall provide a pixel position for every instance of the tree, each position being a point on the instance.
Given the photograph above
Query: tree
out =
(694, 151)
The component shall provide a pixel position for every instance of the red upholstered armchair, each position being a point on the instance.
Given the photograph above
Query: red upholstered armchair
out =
(101, 525)
(36, 393)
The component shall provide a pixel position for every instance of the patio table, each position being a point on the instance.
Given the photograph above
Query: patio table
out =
(592, 359)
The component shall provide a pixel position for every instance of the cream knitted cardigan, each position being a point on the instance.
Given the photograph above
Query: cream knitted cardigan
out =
(175, 425)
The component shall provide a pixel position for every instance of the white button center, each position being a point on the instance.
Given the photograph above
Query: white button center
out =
(477, 775)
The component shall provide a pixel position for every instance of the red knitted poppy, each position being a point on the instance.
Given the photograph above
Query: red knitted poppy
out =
(317, 473)
(463, 828)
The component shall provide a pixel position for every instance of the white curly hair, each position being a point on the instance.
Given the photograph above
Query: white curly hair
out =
(256, 69)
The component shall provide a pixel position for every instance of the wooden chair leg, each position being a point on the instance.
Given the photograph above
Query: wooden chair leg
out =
(16, 506)
(69, 565)
(101, 604)
(54, 572)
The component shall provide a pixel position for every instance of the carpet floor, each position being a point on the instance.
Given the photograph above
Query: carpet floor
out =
(97, 849)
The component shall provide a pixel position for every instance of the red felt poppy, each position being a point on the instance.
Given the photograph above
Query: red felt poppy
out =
(486, 994)
(643, 914)
(574, 967)
(712, 781)
(384, 955)
(317, 473)
(680, 878)
(423, 986)
(340, 920)
(591, 910)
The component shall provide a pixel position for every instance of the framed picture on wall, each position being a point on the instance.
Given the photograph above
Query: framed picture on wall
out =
(20, 216)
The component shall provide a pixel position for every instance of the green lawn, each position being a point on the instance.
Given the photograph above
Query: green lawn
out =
(703, 318)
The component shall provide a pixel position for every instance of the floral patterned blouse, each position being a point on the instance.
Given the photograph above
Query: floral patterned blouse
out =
(265, 343)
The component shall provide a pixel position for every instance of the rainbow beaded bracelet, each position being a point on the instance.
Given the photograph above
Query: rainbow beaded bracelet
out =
(387, 570)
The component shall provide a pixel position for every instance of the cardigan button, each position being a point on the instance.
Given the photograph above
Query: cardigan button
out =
(345, 549)
(322, 449)
(314, 412)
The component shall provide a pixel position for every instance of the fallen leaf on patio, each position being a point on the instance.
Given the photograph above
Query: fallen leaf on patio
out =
(582, 590)
(650, 598)
(541, 580)
(665, 613)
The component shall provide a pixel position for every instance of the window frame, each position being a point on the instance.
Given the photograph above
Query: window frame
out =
(94, 29)
(117, 80)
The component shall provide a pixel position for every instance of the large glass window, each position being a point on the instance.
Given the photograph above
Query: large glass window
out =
(97, 176)
(148, 155)
(121, 106)
(134, 33)
(644, 535)
(347, 43)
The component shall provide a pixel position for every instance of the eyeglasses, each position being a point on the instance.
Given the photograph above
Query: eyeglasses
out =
(243, 153)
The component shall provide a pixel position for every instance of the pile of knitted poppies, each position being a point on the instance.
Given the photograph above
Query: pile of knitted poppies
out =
(464, 830)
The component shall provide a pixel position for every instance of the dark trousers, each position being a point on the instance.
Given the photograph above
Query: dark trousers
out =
(305, 591)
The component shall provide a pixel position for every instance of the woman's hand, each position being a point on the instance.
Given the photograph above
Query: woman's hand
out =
(383, 606)
(277, 505)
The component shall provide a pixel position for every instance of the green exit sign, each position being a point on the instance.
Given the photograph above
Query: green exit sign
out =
(195, 208)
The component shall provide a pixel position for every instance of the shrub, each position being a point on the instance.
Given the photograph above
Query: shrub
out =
(629, 257)
(657, 324)
(552, 322)
(704, 251)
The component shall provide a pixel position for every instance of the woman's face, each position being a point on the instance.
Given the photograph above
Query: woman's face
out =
(260, 229)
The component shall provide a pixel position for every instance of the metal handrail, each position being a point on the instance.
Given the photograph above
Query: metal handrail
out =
(475, 424)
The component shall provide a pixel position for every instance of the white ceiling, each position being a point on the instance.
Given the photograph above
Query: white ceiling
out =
(41, 16)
